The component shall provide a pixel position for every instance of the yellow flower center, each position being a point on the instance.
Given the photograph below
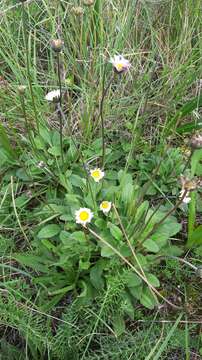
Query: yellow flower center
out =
(95, 173)
(84, 215)
(119, 66)
(105, 204)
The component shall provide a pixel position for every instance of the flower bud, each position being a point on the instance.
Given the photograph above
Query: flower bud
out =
(21, 89)
(57, 45)
(196, 141)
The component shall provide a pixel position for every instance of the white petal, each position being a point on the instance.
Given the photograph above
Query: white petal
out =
(55, 94)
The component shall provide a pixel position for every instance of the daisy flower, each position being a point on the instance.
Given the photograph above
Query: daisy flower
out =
(53, 95)
(105, 206)
(83, 216)
(120, 64)
(97, 174)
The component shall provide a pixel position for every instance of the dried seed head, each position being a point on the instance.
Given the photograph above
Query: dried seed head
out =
(57, 45)
(21, 89)
(189, 185)
(88, 2)
(78, 10)
(196, 141)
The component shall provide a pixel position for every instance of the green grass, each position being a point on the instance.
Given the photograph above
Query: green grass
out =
(99, 294)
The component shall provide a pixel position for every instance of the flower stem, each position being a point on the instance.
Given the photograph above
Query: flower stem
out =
(60, 101)
(191, 217)
(104, 93)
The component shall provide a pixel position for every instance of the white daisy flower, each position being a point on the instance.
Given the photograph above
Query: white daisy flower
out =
(105, 206)
(186, 199)
(53, 95)
(120, 64)
(97, 174)
(83, 216)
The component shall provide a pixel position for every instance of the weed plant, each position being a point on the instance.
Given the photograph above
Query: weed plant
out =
(100, 160)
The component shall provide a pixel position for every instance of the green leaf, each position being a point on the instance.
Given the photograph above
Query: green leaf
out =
(49, 231)
(196, 237)
(151, 245)
(77, 181)
(127, 305)
(49, 245)
(5, 143)
(96, 276)
(172, 250)
(118, 325)
(153, 280)
(115, 231)
(195, 163)
(55, 150)
(132, 279)
(79, 236)
(106, 251)
(34, 262)
(148, 299)
(187, 108)
(127, 193)
(136, 291)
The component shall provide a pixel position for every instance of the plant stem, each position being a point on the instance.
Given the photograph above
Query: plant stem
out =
(104, 93)
(60, 101)
(191, 217)
(27, 65)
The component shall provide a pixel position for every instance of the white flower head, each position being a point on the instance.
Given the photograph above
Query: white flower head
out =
(53, 95)
(83, 216)
(120, 64)
(186, 199)
(97, 174)
(105, 206)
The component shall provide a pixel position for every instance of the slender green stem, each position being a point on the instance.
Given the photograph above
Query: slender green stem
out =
(191, 217)
(104, 93)
(60, 101)
(27, 65)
